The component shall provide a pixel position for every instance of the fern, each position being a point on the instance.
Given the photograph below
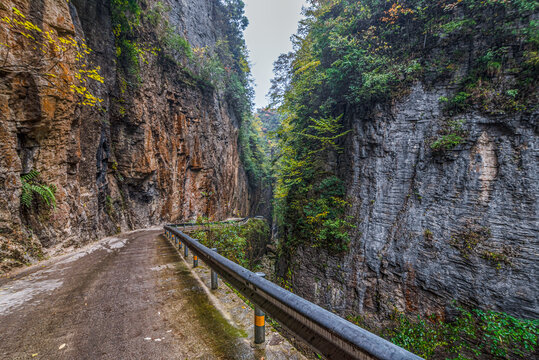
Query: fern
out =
(31, 186)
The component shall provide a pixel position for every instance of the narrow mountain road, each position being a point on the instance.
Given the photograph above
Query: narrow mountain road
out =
(128, 297)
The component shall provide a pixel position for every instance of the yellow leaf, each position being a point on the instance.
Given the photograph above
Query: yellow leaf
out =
(17, 12)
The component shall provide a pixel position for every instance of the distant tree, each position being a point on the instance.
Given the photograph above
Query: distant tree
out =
(269, 118)
(280, 84)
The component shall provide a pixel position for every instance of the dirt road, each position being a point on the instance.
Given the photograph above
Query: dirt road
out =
(129, 297)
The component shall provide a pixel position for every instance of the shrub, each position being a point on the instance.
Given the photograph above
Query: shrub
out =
(125, 20)
(239, 243)
(451, 136)
(475, 333)
(447, 142)
(178, 43)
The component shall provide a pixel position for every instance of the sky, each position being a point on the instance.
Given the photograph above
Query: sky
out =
(271, 24)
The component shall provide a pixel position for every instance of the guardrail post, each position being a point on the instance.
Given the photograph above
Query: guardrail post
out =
(185, 251)
(260, 321)
(214, 278)
(195, 258)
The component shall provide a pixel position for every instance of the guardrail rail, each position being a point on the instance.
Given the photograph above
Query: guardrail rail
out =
(326, 333)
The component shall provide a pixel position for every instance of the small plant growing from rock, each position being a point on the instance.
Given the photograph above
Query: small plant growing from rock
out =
(469, 239)
(206, 194)
(109, 206)
(451, 136)
(32, 187)
(499, 258)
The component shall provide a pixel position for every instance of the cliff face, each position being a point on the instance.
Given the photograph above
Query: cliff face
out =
(432, 111)
(163, 150)
(434, 226)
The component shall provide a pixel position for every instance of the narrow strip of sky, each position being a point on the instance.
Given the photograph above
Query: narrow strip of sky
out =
(271, 24)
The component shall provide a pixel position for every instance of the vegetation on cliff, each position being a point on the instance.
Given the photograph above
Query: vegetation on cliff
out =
(59, 63)
(217, 67)
(221, 68)
(34, 189)
(56, 59)
(351, 58)
(468, 335)
(351, 55)
(244, 243)
(259, 148)
(254, 153)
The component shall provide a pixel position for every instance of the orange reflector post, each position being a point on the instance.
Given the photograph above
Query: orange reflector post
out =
(260, 323)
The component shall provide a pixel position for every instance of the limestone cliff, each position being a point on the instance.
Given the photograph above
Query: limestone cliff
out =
(161, 150)
(439, 170)
(434, 227)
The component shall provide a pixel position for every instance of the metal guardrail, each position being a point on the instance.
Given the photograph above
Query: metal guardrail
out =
(326, 333)
(238, 221)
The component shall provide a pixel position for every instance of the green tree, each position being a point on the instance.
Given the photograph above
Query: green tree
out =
(310, 198)
(350, 56)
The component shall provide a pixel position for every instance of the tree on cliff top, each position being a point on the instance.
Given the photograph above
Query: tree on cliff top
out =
(351, 55)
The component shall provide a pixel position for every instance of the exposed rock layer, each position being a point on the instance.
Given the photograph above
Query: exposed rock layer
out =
(433, 226)
(164, 150)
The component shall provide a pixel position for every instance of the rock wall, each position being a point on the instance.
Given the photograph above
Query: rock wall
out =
(433, 226)
(165, 150)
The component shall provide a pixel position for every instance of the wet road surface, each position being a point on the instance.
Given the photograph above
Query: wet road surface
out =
(129, 297)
